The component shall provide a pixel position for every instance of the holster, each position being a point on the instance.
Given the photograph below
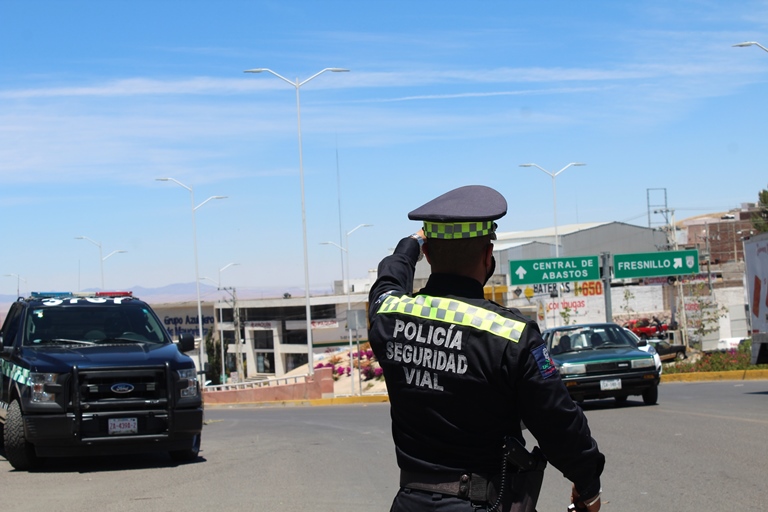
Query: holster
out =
(521, 481)
(525, 472)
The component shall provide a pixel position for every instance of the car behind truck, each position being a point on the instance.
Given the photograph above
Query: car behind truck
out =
(94, 374)
(645, 328)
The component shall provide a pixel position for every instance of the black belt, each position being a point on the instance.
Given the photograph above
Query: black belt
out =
(472, 486)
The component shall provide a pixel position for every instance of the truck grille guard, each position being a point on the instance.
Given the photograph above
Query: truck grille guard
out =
(120, 392)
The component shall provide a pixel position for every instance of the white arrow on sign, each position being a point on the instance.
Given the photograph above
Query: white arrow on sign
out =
(520, 272)
(678, 263)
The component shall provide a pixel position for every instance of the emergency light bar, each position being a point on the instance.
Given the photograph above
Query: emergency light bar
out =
(52, 295)
(114, 294)
(42, 295)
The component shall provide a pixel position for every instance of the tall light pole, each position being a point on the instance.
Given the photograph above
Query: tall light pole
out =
(554, 195)
(297, 85)
(554, 209)
(225, 267)
(101, 259)
(750, 43)
(18, 278)
(349, 299)
(197, 271)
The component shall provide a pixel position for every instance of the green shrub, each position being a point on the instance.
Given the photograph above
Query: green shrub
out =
(738, 359)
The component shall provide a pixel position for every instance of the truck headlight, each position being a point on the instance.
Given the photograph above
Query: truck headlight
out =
(39, 381)
(644, 363)
(190, 377)
(573, 369)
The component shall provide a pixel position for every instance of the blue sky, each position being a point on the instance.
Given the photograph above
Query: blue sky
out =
(98, 99)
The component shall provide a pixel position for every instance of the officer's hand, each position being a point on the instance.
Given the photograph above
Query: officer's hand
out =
(590, 505)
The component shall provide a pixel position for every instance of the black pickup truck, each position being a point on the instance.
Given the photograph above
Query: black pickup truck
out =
(93, 374)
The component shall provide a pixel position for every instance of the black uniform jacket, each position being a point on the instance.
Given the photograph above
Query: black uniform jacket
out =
(462, 372)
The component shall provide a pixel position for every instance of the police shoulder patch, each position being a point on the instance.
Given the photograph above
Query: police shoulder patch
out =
(546, 366)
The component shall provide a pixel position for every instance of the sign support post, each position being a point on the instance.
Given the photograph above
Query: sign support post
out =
(606, 262)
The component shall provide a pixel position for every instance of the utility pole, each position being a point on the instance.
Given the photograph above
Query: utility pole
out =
(709, 258)
(671, 230)
(238, 342)
(681, 289)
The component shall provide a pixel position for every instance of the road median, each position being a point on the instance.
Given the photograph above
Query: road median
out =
(715, 376)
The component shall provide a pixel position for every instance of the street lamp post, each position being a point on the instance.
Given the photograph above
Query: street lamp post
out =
(349, 302)
(101, 259)
(201, 350)
(225, 267)
(750, 43)
(554, 195)
(554, 199)
(297, 85)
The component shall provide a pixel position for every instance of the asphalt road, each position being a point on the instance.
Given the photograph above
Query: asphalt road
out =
(702, 448)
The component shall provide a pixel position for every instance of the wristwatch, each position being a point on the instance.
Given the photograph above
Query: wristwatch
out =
(419, 239)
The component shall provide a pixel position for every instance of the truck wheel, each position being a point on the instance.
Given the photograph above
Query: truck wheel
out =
(189, 454)
(680, 356)
(651, 395)
(19, 452)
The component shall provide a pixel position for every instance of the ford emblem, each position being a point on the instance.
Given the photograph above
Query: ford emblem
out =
(122, 387)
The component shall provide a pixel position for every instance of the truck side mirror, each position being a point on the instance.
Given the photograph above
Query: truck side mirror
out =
(186, 343)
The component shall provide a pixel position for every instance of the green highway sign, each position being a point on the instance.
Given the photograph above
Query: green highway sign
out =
(554, 270)
(655, 264)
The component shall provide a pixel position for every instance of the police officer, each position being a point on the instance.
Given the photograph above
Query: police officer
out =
(463, 372)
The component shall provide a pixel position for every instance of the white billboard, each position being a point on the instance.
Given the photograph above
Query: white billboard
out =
(756, 257)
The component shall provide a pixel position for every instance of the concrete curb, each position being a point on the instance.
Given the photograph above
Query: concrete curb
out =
(340, 400)
(343, 400)
(715, 376)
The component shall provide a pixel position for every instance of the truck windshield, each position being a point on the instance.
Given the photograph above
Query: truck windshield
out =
(91, 324)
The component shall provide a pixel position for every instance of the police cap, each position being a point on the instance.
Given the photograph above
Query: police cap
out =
(464, 212)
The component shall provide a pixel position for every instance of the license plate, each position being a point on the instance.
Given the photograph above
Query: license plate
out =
(610, 384)
(120, 426)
